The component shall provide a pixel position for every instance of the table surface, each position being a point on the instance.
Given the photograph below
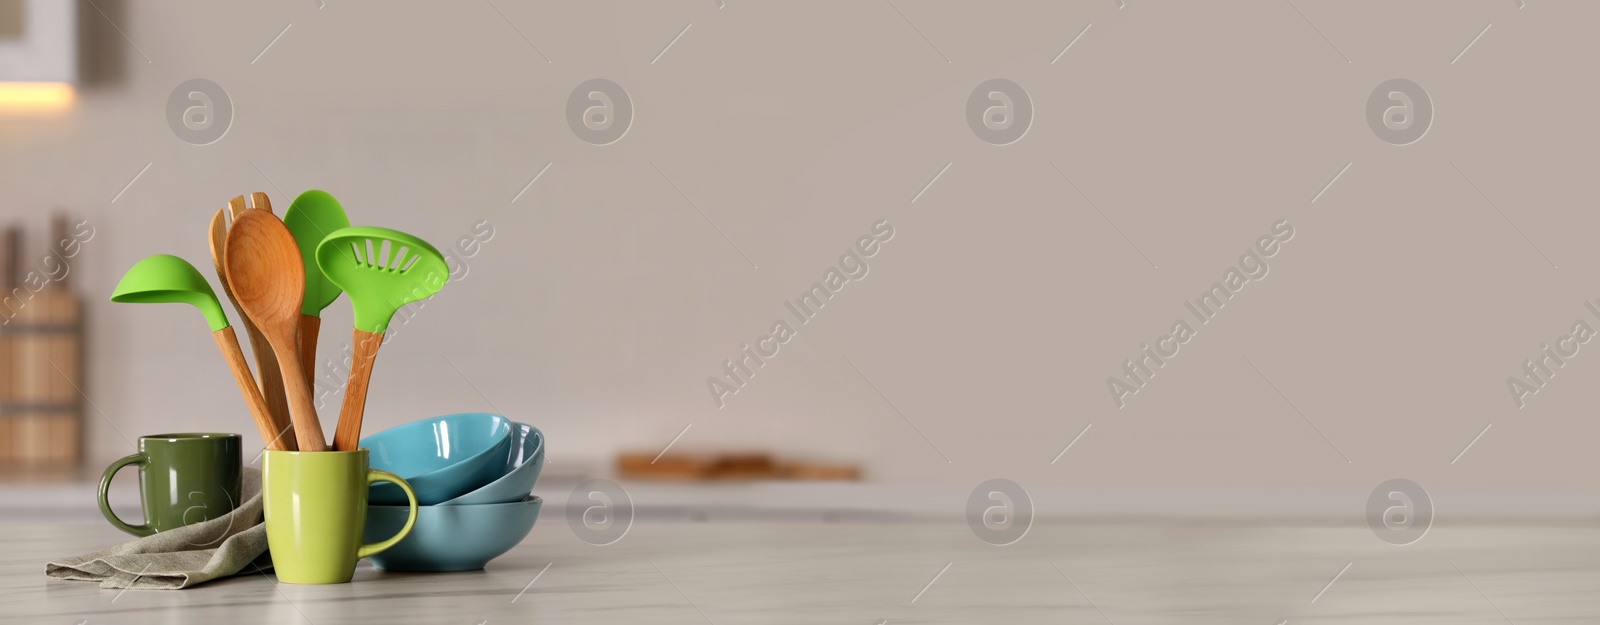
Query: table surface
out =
(724, 573)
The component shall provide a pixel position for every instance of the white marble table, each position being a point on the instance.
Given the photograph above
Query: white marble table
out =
(727, 573)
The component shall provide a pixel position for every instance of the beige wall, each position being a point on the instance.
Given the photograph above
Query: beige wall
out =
(1005, 299)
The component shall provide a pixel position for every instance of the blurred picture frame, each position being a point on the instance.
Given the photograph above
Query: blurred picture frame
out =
(38, 41)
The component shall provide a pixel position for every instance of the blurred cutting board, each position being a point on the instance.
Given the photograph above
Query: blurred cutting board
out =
(724, 466)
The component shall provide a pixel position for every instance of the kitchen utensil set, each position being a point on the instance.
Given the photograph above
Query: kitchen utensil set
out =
(280, 275)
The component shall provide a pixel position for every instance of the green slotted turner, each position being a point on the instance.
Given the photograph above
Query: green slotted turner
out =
(382, 270)
(311, 218)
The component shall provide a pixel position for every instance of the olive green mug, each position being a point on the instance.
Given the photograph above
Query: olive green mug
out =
(184, 478)
(315, 503)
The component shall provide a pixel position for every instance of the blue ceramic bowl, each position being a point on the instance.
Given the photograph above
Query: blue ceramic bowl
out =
(520, 470)
(441, 458)
(450, 538)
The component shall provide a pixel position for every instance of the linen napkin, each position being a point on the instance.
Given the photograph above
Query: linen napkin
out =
(176, 559)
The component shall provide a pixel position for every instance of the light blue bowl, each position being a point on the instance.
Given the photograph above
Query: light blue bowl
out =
(520, 471)
(450, 538)
(441, 458)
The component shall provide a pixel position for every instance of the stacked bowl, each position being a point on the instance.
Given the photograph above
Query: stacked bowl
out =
(473, 474)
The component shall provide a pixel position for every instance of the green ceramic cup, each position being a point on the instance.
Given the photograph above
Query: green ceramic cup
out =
(183, 478)
(315, 503)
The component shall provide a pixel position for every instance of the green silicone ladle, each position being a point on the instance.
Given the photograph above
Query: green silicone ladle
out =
(311, 218)
(167, 279)
(382, 270)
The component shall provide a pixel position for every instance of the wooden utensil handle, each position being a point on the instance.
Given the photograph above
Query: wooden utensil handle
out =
(307, 428)
(276, 436)
(267, 372)
(364, 348)
(309, 328)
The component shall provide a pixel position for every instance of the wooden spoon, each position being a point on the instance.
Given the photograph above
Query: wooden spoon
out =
(264, 267)
(267, 373)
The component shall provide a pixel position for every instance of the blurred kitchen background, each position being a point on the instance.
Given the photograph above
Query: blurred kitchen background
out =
(600, 287)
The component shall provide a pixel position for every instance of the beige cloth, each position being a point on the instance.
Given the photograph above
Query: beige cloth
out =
(233, 543)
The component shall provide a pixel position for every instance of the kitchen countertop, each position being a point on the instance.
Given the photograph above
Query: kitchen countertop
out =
(73, 501)
(742, 572)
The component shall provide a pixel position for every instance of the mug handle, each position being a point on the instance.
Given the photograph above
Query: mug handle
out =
(105, 489)
(374, 475)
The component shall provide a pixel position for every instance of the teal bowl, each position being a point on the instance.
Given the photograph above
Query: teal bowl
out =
(441, 458)
(519, 471)
(450, 538)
